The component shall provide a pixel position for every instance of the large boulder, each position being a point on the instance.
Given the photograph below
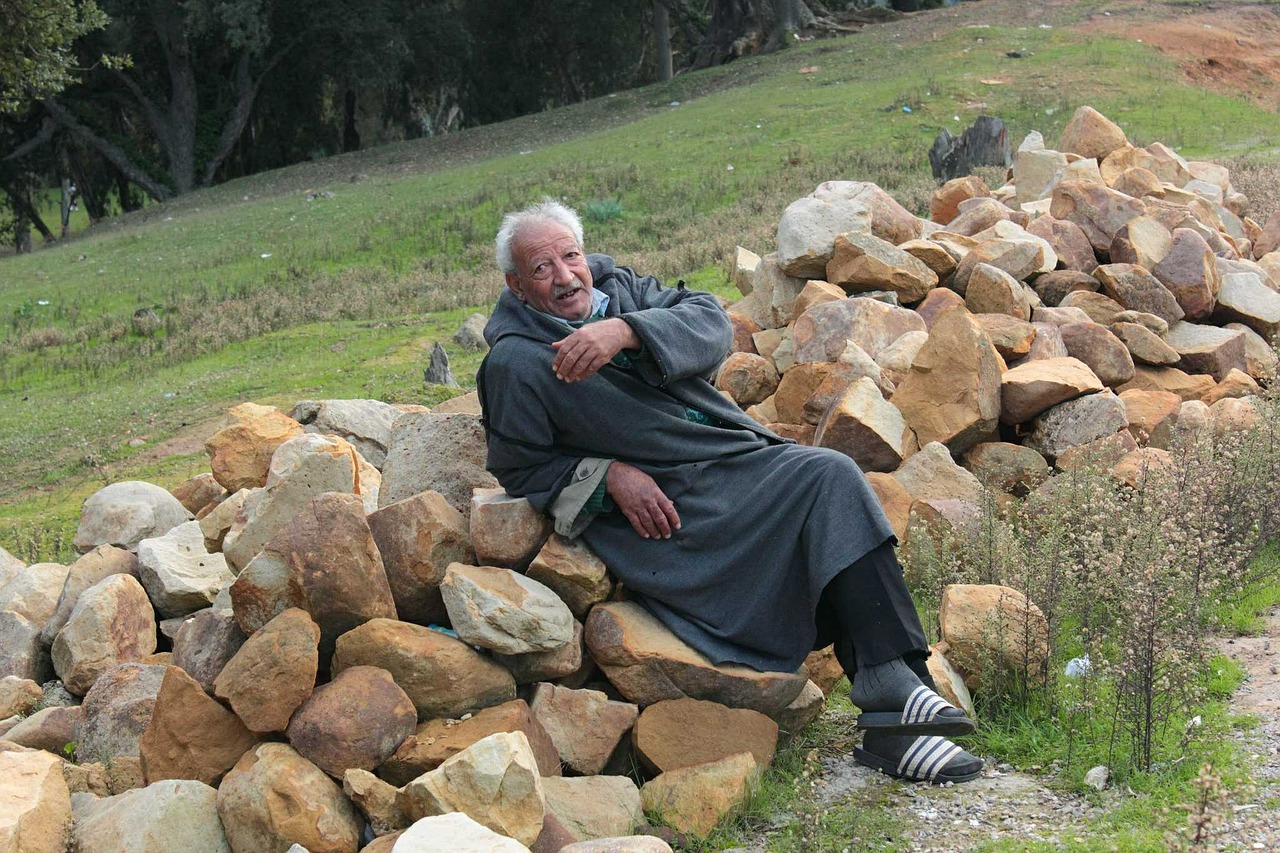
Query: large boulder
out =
(821, 333)
(1190, 274)
(191, 735)
(748, 378)
(809, 227)
(684, 732)
(35, 803)
(125, 513)
(50, 729)
(986, 625)
(1104, 353)
(438, 740)
(504, 611)
(495, 781)
(240, 453)
(366, 424)
(324, 562)
(932, 475)
(273, 672)
(570, 569)
(595, 806)
(274, 798)
(952, 394)
(1244, 298)
(304, 468)
(163, 817)
(21, 652)
(586, 726)
(1098, 210)
(647, 663)
(100, 563)
(33, 591)
(112, 623)
(418, 538)
(1091, 134)
(694, 799)
(1207, 349)
(18, 696)
(1077, 422)
(1035, 386)
(357, 720)
(866, 427)
(443, 453)
(454, 832)
(204, 644)
(443, 676)
(863, 262)
(506, 531)
(890, 221)
(179, 575)
(1138, 290)
(117, 711)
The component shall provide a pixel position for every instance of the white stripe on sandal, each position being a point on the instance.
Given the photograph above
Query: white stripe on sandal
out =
(923, 705)
(926, 757)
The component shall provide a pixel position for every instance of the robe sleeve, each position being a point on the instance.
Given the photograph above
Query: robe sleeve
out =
(684, 332)
(523, 455)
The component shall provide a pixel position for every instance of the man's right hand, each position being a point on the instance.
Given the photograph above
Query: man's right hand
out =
(650, 512)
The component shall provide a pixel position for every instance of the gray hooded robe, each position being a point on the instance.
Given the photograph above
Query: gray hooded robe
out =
(765, 523)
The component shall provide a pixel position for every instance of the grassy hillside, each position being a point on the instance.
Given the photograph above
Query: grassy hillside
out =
(331, 279)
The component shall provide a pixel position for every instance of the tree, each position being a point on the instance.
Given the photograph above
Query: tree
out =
(184, 51)
(740, 27)
(36, 55)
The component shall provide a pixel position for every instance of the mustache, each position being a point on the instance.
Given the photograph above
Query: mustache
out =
(561, 290)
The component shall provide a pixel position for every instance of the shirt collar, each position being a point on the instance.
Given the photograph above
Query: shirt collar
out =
(599, 302)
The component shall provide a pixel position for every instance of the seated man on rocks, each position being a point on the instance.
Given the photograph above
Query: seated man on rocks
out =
(750, 548)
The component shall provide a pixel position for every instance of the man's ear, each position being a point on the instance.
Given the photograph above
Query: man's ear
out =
(513, 284)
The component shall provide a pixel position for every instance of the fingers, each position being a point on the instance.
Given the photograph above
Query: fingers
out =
(655, 517)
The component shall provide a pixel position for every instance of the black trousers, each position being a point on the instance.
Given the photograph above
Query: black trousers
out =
(867, 612)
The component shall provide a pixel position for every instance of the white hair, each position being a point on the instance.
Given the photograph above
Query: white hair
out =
(546, 211)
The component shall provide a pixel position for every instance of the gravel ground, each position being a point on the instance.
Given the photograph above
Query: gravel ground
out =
(1008, 805)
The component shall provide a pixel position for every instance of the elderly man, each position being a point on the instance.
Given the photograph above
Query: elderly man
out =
(750, 548)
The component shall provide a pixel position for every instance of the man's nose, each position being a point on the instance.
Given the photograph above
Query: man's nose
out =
(563, 275)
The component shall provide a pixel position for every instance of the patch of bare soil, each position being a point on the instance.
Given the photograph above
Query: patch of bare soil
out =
(1232, 48)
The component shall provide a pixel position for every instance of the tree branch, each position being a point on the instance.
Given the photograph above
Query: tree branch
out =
(111, 152)
(47, 130)
(239, 117)
(159, 125)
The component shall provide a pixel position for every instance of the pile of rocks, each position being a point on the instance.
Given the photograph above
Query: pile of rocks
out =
(1105, 303)
(346, 633)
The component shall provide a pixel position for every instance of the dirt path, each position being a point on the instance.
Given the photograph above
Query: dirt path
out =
(1254, 821)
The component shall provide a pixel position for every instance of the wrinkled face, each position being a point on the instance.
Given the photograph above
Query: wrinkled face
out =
(551, 271)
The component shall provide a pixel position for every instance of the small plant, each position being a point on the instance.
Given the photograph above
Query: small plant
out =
(602, 210)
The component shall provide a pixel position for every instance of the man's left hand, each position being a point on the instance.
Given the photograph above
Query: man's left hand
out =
(590, 348)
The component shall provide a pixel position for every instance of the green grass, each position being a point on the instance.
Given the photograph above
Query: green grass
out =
(373, 265)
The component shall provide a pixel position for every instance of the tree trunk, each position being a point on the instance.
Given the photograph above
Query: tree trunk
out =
(65, 202)
(21, 232)
(742, 27)
(662, 40)
(350, 133)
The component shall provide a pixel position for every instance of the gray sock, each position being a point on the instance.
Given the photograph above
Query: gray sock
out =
(883, 687)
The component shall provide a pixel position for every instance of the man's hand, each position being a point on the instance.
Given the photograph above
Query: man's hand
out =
(650, 512)
(590, 348)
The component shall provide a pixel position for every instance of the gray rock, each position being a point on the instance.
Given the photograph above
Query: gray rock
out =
(125, 513)
(808, 229)
(166, 816)
(440, 453)
(204, 644)
(501, 610)
(21, 652)
(1077, 422)
(470, 334)
(33, 591)
(116, 712)
(179, 575)
(933, 474)
(438, 372)
(1243, 298)
(1207, 349)
(364, 423)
